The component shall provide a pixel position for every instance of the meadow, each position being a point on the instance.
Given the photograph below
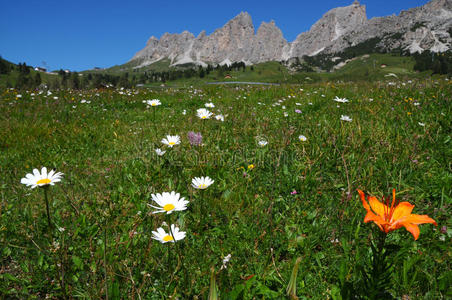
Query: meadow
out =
(286, 163)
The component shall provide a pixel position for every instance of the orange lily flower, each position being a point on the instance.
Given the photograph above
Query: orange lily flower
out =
(392, 216)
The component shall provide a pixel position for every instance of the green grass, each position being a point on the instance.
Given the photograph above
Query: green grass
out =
(159, 66)
(106, 151)
(8, 80)
(363, 68)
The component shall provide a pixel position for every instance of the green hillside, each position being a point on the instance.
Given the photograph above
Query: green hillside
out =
(368, 67)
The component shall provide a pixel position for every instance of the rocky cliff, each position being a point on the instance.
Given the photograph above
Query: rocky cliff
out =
(428, 27)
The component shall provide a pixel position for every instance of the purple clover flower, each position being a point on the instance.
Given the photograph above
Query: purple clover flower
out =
(195, 138)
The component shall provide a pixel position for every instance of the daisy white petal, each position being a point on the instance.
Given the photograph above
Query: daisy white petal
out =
(203, 113)
(169, 202)
(171, 140)
(201, 183)
(41, 178)
(163, 237)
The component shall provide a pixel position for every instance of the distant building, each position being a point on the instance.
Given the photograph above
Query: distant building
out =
(228, 76)
(383, 66)
(39, 69)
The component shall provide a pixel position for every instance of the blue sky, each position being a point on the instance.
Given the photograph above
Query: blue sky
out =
(80, 35)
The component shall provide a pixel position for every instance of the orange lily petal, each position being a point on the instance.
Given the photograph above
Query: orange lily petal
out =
(370, 216)
(378, 207)
(413, 228)
(419, 219)
(363, 200)
(402, 210)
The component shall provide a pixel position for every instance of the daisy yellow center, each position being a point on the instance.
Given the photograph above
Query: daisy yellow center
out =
(202, 186)
(153, 104)
(172, 143)
(168, 238)
(168, 207)
(43, 181)
(203, 117)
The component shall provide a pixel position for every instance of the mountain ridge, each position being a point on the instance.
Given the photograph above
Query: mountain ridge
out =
(417, 29)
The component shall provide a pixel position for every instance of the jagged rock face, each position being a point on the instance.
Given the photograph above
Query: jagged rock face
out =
(168, 46)
(416, 30)
(334, 24)
(233, 41)
(268, 43)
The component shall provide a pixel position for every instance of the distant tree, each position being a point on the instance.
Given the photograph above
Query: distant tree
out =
(202, 74)
(75, 81)
(142, 78)
(4, 66)
(24, 69)
(221, 72)
(54, 84)
(97, 81)
(124, 81)
(84, 84)
(439, 63)
(37, 80)
(22, 81)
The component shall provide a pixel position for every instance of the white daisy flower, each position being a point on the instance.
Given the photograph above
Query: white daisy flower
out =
(153, 102)
(159, 152)
(201, 183)
(168, 202)
(341, 100)
(171, 140)
(262, 143)
(209, 105)
(163, 237)
(421, 124)
(302, 138)
(41, 179)
(346, 118)
(184, 112)
(219, 118)
(203, 113)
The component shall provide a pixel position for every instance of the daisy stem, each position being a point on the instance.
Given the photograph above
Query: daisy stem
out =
(47, 205)
(168, 221)
(153, 120)
(204, 207)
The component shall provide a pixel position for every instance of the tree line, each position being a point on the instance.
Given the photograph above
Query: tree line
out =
(26, 79)
(439, 63)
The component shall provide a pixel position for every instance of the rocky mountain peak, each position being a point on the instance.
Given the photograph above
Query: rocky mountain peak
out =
(416, 29)
(439, 4)
(333, 24)
(243, 19)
